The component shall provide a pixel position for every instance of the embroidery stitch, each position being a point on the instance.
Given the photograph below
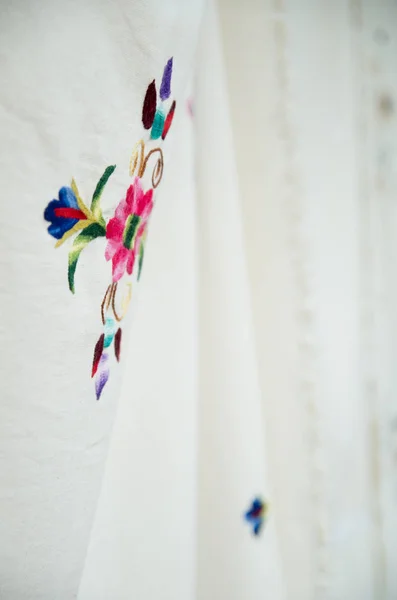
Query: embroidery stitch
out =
(138, 154)
(190, 107)
(149, 106)
(256, 515)
(165, 88)
(168, 120)
(125, 232)
(158, 124)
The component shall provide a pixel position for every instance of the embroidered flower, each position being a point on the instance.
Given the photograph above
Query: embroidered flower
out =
(256, 515)
(63, 213)
(111, 336)
(72, 218)
(153, 112)
(127, 228)
(100, 364)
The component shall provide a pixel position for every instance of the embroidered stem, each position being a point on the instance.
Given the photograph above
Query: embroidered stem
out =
(138, 156)
(109, 299)
(158, 168)
(90, 233)
(106, 302)
(138, 153)
(78, 227)
(96, 198)
(80, 201)
(124, 304)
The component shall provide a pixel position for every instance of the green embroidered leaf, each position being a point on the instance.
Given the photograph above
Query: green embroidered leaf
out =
(95, 204)
(85, 237)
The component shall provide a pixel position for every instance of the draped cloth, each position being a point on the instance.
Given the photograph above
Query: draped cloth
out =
(254, 359)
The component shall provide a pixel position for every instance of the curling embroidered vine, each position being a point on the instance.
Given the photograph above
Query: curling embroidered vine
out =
(125, 232)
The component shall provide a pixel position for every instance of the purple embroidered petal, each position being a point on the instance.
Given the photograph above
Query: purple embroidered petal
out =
(165, 89)
(103, 375)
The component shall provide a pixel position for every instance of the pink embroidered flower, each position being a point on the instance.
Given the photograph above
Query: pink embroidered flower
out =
(125, 230)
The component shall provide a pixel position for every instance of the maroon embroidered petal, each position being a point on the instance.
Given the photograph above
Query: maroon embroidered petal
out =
(149, 106)
(117, 343)
(97, 354)
(168, 120)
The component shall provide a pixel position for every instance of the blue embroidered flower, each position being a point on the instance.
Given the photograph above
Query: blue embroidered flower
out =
(64, 213)
(256, 515)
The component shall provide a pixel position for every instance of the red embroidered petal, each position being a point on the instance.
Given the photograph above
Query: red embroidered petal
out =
(114, 230)
(69, 213)
(97, 354)
(131, 260)
(147, 205)
(168, 120)
(111, 249)
(149, 106)
(122, 211)
(119, 263)
(139, 198)
(129, 199)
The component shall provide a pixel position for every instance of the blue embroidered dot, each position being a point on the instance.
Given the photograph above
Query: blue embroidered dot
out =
(256, 515)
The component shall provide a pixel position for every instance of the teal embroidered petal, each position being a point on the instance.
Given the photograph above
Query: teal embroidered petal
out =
(158, 124)
(110, 330)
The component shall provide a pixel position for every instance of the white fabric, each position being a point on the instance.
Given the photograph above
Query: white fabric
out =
(312, 89)
(228, 562)
(143, 541)
(259, 348)
(74, 76)
(232, 460)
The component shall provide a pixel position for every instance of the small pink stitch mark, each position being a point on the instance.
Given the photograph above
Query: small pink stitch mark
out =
(189, 105)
